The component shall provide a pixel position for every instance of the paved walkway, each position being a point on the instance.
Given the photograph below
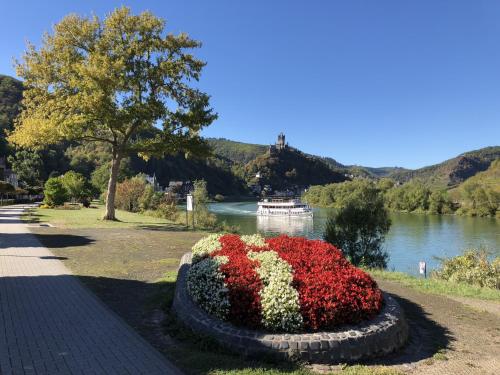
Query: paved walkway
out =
(51, 324)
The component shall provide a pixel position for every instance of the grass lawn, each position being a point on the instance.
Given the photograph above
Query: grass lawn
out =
(436, 286)
(131, 266)
(91, 218)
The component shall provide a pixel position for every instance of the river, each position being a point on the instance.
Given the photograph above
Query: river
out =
(412, 237)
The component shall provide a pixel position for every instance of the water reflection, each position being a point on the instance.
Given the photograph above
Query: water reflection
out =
(294, 226)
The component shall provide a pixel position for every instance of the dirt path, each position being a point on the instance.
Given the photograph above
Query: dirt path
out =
(468, 336)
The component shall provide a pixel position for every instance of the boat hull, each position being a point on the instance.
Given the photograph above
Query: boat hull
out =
(285, 214)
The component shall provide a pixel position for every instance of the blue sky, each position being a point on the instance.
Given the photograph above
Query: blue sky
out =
(376, 83)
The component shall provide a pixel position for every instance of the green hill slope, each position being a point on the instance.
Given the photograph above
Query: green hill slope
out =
(453, 171)
(290, 168)
(480, 195)
(237, 152)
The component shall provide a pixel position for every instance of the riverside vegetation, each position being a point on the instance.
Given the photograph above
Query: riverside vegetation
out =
(477, 196)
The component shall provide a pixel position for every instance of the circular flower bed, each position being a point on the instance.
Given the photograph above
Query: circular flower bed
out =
(282, 284)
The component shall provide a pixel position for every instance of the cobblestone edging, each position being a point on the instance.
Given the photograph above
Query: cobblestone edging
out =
(382, 335)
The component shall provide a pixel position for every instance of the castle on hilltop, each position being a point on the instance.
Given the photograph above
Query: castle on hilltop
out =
(280, 145)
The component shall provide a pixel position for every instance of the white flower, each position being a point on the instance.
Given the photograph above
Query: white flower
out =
(206, 246)
(254, 240)
(279, 300)
(206, 286)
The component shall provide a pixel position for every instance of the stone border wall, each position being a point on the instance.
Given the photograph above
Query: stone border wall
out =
(382, 335)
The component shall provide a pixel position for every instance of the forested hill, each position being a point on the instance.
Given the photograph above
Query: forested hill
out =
(289, 168)
(11, 93)
(237, 152)
(452, 171)
(446, 174)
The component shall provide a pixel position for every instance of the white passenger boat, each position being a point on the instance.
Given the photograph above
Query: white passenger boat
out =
(283, 207)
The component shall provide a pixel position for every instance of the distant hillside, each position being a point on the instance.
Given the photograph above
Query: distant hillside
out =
(237, 152)
(488, 179)
(479, 195)
(383, 171)
(332, 163)
(453, 171)
(289, 168)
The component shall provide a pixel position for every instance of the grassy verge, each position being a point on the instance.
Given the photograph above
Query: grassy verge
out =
(91, 218)
(436, 286)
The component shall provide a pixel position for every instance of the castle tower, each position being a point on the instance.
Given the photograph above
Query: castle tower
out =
(281, 144)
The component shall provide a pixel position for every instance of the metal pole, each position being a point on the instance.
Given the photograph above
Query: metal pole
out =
(194, 210)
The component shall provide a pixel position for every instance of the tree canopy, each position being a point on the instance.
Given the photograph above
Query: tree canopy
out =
(120, 81)
(359, 226)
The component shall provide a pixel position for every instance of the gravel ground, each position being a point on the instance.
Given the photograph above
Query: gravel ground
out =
(465, 333)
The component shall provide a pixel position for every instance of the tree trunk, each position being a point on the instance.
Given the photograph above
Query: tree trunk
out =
(110, 196)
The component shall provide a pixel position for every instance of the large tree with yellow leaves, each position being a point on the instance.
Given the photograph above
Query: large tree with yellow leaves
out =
(120, 80)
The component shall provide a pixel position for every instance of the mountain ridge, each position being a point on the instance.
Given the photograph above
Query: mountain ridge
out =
(448, 173)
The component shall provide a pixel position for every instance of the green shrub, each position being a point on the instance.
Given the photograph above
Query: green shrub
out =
(472, 267)
(167, 208)
(55, 192)
(77, 187)
(203, 217)
(219, 198)
(146, 199)
(129, 193)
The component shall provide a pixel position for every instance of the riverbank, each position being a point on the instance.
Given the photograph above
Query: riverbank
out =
(438, 287)
(417, 212)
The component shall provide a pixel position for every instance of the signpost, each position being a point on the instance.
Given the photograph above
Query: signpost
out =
(189, 207)
(422, 267)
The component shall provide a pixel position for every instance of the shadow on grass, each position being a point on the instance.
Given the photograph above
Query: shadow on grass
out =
(34, 256)
(134, 301)
(5, 213)
(170, 227)
(55, 241)
(31, 219)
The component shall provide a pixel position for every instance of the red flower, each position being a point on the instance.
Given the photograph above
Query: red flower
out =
(331, 290)
(242, 281)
